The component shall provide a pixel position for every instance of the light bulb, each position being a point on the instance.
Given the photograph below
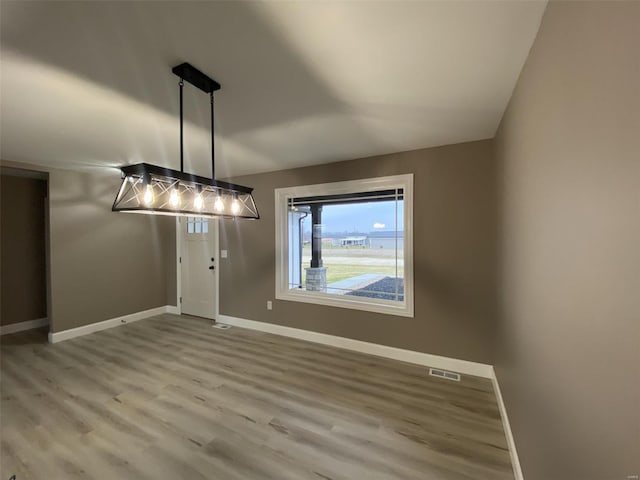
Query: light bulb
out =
(148, 195)
(235, 206)
(198, 202)
(174, 199)
(219, 204)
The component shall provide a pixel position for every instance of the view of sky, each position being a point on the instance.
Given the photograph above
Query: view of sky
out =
(359, 217)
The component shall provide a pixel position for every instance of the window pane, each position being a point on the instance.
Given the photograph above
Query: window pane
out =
(356, 249)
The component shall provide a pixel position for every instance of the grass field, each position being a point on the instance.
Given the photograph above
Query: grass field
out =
(344, 263)
(337, 272)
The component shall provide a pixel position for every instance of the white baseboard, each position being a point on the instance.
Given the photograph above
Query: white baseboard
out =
(410, 356)
(110, 323)
(173, 309)
(21, 326)
(515, 461)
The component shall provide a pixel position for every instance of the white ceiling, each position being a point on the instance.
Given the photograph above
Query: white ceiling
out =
(89, 85)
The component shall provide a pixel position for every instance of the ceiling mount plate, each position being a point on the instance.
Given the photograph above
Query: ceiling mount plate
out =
(195, 77)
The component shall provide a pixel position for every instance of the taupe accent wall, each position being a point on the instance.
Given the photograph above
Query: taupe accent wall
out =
(569, 156)
(104, 264)
(23, 285)
(454, 254)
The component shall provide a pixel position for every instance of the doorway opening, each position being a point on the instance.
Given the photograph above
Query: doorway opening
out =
(24, 251)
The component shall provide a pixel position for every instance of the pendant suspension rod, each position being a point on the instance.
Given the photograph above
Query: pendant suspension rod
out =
(181, 128)
(213, 146)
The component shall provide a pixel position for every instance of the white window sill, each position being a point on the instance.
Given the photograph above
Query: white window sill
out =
(404, 309)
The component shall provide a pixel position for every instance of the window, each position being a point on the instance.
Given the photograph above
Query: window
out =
(197, 225)
(347, 244)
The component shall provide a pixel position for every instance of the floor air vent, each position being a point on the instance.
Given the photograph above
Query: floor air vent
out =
(221, 326)
(436, 372)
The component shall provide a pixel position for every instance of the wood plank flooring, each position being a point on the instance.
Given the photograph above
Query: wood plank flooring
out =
(173, 398)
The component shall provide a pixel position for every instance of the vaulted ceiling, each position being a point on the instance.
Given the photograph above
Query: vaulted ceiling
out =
(89, 84)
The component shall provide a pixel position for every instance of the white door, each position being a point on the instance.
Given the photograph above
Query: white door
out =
(199, 245)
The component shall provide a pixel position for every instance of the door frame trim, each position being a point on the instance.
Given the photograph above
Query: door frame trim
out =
(179, 266)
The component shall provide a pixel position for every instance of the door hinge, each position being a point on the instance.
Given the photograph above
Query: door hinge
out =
(180, 259)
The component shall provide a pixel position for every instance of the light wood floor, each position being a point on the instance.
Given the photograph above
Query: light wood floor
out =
(173, 398)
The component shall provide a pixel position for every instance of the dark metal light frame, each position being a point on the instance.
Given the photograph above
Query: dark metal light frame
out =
(152, 189)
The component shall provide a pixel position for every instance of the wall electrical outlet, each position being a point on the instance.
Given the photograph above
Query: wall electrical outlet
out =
(269, 305)
(224, 253)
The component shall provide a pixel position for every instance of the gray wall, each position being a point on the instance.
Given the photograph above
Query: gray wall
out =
(569, 154)
(103, 264)
(23, 289)
(454, 254)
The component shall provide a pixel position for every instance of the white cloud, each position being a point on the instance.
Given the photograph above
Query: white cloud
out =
(378, 225)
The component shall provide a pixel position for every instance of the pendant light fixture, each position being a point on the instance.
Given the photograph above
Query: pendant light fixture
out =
(153, 189)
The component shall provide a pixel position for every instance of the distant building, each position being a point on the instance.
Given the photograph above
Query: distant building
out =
(386, 239)
(353, 241)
